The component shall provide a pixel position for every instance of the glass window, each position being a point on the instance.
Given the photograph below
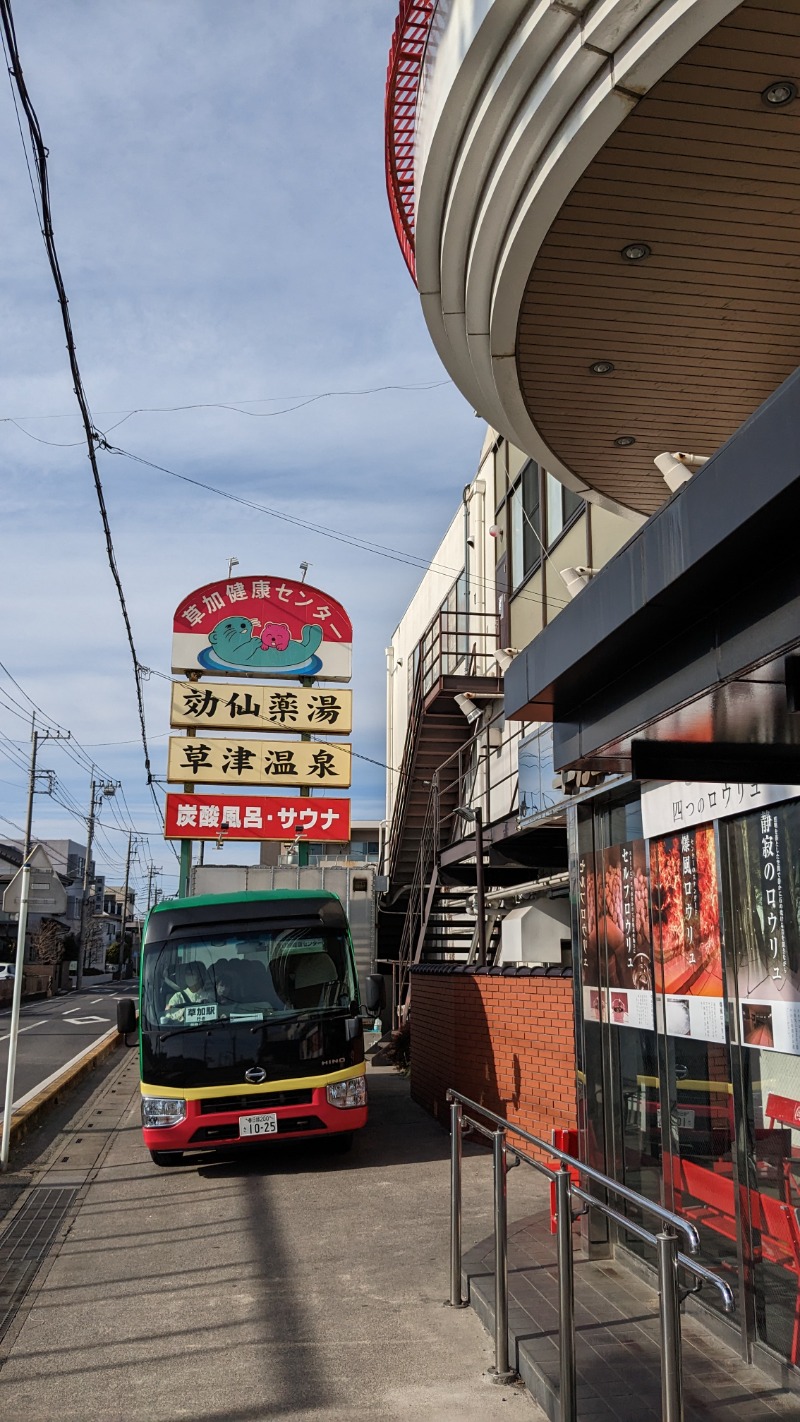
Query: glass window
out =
(245, 975)
(562, 505)
(526, 546)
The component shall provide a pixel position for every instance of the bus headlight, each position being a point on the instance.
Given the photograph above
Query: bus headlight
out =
(344, 1094)
(162, 1111)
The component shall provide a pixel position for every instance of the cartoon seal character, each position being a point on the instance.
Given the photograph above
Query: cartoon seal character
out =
(235, 643)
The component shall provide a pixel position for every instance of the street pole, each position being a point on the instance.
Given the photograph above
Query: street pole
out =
(89, 838)
(15, 1009)
(22, 925)
(124, 906)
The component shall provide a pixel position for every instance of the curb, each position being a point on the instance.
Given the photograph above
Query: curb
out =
(31, 1108)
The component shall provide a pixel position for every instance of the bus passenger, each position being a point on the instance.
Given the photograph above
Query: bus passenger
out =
(191, 992)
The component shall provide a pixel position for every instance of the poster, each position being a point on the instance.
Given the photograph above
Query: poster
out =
(593, 996)
(766, 889)
(688, 943)
(624, 925)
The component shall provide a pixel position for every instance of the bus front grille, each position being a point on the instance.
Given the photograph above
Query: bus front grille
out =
(255, 1101)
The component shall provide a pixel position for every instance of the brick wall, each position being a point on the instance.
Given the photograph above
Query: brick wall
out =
(506, 1042)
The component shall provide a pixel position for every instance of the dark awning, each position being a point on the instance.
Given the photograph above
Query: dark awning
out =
(682, 635)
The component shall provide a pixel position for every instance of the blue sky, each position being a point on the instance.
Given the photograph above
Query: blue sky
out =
(220, 214)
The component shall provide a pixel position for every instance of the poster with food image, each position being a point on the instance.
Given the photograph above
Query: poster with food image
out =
(624, 928)
(686, 931)
(592, 993)
(765, 878)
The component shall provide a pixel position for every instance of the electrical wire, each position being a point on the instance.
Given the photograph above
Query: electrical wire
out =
(351, 540)
(90, 432)
(234, 405)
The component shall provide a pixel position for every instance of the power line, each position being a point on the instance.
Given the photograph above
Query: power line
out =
(92, 437)
(233, 405)
(353, 541)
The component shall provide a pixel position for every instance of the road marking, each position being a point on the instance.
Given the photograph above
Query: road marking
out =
(25, 1029)
(83, 1021)
(96, 999)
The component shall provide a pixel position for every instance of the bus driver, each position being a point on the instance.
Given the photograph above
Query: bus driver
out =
(192, 991)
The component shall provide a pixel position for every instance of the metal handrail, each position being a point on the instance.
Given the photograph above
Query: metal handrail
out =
(670, 1259)
(589, 1171)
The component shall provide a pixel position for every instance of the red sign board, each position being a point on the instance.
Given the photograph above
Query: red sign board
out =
(256, 817)
(265, 627)
(783, 1109)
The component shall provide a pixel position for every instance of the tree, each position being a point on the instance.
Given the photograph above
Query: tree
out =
(47, 944)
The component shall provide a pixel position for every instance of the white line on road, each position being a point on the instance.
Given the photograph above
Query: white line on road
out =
(96, 999)
(25, 1029)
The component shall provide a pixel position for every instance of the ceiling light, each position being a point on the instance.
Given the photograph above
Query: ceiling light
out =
(624, 441)
(635, 252)
(779, 92)
(601, 367)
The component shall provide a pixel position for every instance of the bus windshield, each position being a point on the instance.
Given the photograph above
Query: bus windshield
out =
(245, 974)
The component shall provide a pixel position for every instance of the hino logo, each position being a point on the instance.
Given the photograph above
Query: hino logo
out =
(334, 1061)
(255, 1075)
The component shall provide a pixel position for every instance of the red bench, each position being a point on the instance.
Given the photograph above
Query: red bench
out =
(776, 1232)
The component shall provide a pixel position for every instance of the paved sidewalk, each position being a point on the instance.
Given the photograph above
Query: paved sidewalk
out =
(285, 1284)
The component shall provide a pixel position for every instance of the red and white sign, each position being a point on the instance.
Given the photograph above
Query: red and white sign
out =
(265, 627)
(282, 817)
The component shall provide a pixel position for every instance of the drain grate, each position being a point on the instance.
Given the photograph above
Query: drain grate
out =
(25, 1243)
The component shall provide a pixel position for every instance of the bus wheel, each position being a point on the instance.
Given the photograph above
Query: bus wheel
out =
(167, 1157)
(341, 1143)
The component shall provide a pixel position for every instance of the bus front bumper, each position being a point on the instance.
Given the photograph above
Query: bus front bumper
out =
(248, 1118)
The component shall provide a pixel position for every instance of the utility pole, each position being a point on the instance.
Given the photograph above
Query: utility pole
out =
(121, 958)
(152, 871)
(96, 794)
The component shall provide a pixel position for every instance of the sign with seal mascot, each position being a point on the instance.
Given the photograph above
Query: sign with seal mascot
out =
(262, 626)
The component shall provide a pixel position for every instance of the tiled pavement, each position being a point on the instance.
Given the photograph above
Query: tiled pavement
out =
(617, 1340)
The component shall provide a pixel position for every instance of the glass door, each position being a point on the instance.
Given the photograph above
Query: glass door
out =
(697, 1108)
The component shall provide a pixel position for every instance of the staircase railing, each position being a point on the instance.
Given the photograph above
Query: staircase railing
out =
(420, 901)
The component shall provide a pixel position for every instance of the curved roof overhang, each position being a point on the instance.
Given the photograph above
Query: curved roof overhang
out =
(559, 135)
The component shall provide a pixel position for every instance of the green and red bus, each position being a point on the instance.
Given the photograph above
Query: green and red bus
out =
(250, 1025)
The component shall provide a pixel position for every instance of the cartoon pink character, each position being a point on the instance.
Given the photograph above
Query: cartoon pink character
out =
(275, 634)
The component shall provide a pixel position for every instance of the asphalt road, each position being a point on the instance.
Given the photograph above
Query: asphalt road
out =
(55, 1030)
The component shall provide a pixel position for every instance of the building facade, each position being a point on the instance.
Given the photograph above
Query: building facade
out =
(594, 201)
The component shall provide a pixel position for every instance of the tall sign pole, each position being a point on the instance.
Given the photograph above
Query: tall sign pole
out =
(15, 1010)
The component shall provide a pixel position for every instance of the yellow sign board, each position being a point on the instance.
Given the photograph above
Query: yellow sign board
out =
(219, 705)
(222, 760)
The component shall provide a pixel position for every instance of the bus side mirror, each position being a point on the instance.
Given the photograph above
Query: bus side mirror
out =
(373, 993)
(126, 1016)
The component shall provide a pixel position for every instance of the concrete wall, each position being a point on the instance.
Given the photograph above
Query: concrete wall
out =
(506, 1042)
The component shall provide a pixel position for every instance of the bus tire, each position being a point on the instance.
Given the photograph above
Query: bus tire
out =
(340, 1143)
(167, 1157)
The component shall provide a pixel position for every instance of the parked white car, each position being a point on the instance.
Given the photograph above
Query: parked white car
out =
(6, 971)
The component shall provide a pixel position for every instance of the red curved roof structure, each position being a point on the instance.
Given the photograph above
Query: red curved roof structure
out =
(402, 87)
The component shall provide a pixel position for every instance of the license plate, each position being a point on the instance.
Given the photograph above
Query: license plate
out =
(685, 1119)
(264, 1125)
